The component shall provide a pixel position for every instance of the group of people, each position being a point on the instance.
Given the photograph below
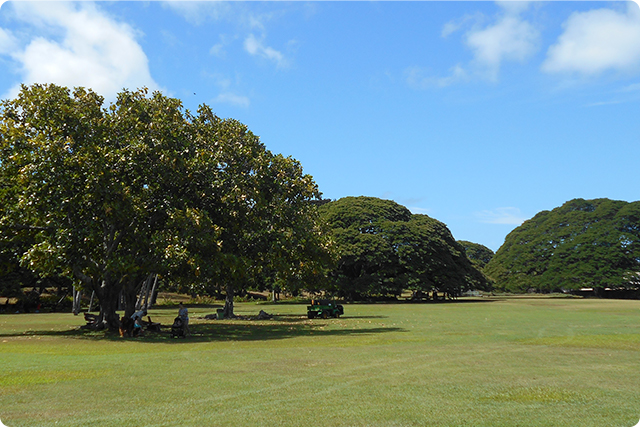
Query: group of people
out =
(183, 313)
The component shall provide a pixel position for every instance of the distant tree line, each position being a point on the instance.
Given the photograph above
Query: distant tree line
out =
(581, 244)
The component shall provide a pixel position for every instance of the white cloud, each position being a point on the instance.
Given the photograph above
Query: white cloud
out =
(599, 104)
(8, 42)
(513, 7)
(510, 39)
(93, 50)
(453, 26)
(220, 80)
(256, 47)
(507, 216)
(457, 24)
(198, 12)
(597, 41)
(256, 21)
(227, 94)
(233, 99)
(220, 49)
(419, 78)
(632, 88)
(236, 13)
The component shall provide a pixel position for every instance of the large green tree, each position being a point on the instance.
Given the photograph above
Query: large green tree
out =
(383, 249)
(113, 193)
(479, 255)
(583, 243)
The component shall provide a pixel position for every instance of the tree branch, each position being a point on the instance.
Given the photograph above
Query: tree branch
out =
(21, 227)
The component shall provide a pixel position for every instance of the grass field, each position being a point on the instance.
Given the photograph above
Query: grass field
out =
(490, 362)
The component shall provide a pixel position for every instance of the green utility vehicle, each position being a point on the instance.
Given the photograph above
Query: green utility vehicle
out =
(324, 308)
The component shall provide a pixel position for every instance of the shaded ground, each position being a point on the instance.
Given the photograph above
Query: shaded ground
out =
(244, 328)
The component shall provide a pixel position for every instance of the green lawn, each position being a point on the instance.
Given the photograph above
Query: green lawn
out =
(501, 362)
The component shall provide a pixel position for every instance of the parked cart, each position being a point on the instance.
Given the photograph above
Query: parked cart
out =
(324, 309)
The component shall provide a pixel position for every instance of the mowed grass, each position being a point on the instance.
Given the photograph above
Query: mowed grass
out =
(488, 362)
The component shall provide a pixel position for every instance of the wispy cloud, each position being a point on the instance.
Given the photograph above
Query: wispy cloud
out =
(622, 95)
(247, 21)
(8, 42)
(508, 38)
(199, 12)
(599, 104)
(233, 99)
(635, 87)
(220, 49)
(507, 216)
(94, 50)
(228, 95)
(597, 41)
(511, 38)
(419, 78)
(460, 23)
(256, 47)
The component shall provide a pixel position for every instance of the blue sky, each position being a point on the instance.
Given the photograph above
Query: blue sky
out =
(479, 114)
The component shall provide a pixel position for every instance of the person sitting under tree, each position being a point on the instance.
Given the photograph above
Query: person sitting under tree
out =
(137, 319)
(183, 313)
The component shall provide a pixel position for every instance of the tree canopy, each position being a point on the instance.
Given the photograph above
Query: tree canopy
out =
(109, 195)
(479, 255)
(383, 249)
(583, 243)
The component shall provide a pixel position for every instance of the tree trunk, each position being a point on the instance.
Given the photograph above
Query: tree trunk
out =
(108, 298)
(153, 293)
(228, 303)
(108, 293)
(132, 302)
(130, 299)
(77, 300)
(93, 294)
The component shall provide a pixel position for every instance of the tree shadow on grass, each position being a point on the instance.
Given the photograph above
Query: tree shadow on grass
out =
(364, 317)
(280, 327)
(296, 318)
(428, 303)
(272, 331)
